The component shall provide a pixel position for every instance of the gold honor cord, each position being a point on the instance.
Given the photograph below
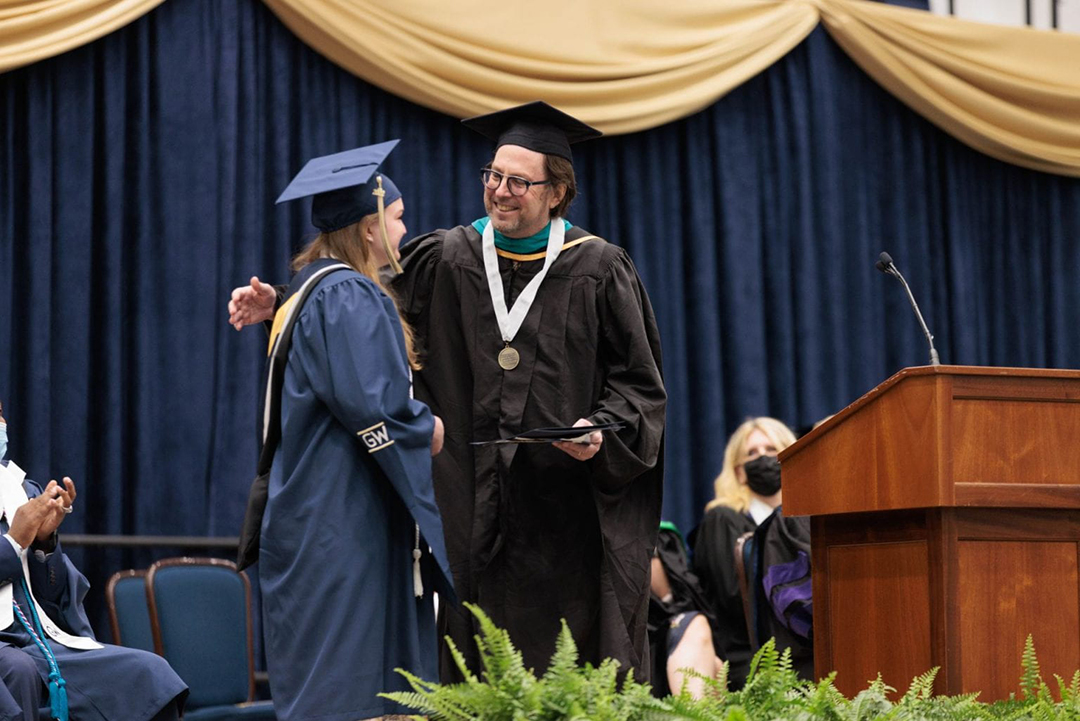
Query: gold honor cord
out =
(381, 194)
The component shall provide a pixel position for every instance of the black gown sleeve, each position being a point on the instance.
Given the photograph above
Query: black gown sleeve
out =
(714, 563)
(412, 288)
(632, 383)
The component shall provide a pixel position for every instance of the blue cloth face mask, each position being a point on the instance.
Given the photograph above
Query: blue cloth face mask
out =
(3, 441)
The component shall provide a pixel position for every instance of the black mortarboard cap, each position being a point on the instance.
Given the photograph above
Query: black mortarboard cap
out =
(536, 126)
(342, 184)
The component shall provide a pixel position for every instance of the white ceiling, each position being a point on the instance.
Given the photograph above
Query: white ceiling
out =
(1014, 12)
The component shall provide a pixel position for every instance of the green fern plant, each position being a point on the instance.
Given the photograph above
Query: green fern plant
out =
(1070, 695)
(872, 702)
(771, 686)
(822, 702)
(506, 690)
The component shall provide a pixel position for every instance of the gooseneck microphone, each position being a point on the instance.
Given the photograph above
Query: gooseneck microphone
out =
(885, 265)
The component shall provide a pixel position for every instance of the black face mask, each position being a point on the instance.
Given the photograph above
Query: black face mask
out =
(763, 475)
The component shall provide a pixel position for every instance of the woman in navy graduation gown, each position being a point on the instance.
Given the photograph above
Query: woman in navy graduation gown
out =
(352, 543)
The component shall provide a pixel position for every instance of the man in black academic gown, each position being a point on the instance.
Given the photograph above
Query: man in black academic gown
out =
(537, 533)
(540, 532)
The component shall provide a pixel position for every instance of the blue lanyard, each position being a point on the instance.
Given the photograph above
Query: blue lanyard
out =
(57, 692)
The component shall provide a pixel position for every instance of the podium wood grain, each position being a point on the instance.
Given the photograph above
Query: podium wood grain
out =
(946, 528)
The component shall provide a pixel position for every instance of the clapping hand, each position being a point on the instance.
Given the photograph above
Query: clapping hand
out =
(61, 500)
(38, 518)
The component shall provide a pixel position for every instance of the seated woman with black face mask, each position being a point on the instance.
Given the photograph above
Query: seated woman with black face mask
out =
(747, 495)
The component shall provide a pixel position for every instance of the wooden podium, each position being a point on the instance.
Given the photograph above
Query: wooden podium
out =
(946, 528)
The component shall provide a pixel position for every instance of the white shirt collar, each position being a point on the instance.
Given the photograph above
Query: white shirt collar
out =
(759, 510)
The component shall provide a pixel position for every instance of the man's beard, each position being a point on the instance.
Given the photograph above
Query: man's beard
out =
(511, 228)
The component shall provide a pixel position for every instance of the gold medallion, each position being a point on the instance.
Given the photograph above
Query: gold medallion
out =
(508, 358)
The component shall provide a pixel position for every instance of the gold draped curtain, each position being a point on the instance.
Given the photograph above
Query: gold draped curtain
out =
(629, 65)
(32, 30)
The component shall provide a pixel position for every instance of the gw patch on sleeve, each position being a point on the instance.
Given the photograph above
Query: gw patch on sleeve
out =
(376, 437)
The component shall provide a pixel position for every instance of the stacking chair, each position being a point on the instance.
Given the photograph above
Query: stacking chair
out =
(200, 613)
(129, 613)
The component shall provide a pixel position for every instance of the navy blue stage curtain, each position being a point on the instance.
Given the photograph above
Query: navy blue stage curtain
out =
(137, 187)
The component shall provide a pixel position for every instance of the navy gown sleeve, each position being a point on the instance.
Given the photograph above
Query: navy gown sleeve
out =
(353, 354)
(60, 589)
(10, 566)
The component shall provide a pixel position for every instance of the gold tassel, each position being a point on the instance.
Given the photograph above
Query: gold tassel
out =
(380, 193)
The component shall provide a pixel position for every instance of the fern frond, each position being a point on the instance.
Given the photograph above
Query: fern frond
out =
(765, 659)
(684, 706)
(785, 663)
(459, 661)
(1070, 695)
(436, 702)
(1029, 663)
(564, 660)
(922, 687)
(736, 713)
(714, 691)
(719, 686)
(821, 701)
(501, 661)
(872, 702)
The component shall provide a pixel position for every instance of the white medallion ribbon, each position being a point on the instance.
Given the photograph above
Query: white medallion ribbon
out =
(510, 320)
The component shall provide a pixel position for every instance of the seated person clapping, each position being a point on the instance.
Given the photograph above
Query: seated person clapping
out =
(48, 655)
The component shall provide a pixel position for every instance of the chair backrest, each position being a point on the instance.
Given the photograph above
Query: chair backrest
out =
(200, 613)
(129, 613)
(746, 570)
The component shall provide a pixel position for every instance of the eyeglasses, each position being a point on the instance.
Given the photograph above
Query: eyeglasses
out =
(492, 179)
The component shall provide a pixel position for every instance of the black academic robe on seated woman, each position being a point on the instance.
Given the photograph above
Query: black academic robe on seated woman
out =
(783, 569)
(714, 563)
(534, 535)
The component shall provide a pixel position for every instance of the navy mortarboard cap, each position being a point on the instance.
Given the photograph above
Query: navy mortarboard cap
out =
(536, 126)
(342, 184)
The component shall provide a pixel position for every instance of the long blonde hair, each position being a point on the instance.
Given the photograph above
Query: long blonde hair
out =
(729, 492)
(348, 245)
